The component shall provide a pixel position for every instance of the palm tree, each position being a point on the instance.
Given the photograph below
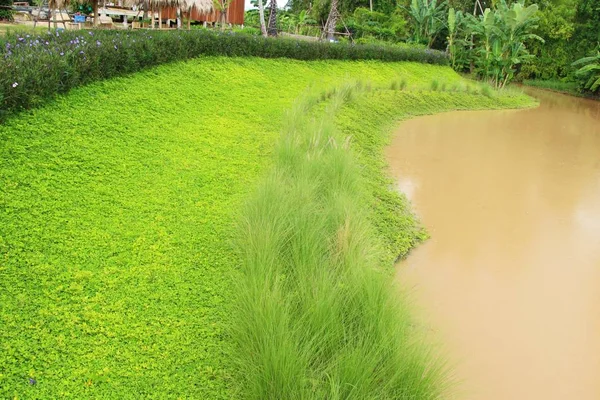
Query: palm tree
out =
(332, 20)
(261, 16)
(272, 29)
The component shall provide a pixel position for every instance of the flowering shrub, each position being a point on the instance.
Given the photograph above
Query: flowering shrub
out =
(36, 67)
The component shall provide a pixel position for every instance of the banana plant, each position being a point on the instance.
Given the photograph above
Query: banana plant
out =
(502, 35)
(589, 74)
(458, 40)
(428, 20)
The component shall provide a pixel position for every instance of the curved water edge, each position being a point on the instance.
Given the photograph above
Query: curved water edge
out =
(510, 279)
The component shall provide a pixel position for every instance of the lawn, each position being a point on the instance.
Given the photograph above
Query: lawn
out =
(118, 205)
(6, 27)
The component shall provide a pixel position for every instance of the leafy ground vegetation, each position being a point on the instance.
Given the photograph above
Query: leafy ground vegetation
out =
(118, 204)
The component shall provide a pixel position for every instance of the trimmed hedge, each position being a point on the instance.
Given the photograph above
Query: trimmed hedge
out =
(34, 68)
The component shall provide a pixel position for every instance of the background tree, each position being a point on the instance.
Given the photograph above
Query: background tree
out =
(272, 28)
(332, 20)
(501, 35)
(6, 12)
(428, 20)
(589, 74)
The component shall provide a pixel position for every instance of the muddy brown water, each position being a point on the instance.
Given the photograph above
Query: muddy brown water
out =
(509, 282)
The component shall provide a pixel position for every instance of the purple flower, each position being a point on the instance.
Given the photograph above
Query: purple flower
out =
(98, 43)
(15, 84)
(62, 54)
(115, 47)
(81, 52)
(32, 381)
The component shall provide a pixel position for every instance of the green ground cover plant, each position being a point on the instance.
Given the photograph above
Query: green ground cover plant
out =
(36, 67)
(118, 204)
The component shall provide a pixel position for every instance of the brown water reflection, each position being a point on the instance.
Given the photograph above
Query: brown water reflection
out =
(510, 279)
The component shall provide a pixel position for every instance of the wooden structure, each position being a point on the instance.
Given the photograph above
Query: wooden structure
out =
(234, 15)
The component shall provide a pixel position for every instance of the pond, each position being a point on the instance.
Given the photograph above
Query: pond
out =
(509, 281)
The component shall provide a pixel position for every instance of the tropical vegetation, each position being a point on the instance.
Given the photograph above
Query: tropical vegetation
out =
(589, 73)
(6, 12)
(541, 43)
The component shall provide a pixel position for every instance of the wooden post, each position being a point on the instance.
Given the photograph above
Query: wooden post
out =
(62, 19)
(160, 18)
(189, 19)
(95, 8)
(152, 17)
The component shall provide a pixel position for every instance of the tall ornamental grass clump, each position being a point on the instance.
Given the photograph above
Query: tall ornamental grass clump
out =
(317, 316)
(37, 67)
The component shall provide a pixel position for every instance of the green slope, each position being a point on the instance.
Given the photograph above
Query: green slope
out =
(117, 209)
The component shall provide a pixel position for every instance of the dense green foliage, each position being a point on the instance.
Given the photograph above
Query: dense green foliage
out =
(427, 17)
(365, 24)
(495, 42)
(317, 315)
(572, 31)
(6, 13)
(36, 67)
(588, 74)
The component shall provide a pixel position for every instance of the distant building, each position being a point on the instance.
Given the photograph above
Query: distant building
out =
(234, 15)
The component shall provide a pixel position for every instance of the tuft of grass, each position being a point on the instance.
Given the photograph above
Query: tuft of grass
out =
(435, 85)
(486, 90)
(403, 84)
(315, 317)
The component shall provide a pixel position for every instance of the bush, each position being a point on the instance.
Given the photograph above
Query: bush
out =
(36, 67)
(6, 12)
(371, 24)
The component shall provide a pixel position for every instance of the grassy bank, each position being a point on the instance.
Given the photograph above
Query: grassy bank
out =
(566, 87)
(369, 120)
(317, 315)
(118, 204)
